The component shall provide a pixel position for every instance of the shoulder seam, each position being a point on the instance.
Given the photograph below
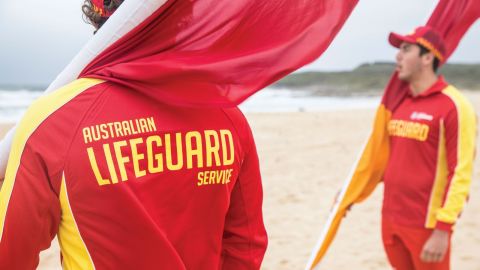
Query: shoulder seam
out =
(103, 90)
(245, 122)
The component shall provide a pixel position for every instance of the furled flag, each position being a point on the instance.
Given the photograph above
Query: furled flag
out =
(451, 19)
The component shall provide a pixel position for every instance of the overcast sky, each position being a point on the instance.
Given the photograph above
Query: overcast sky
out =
(38, 38)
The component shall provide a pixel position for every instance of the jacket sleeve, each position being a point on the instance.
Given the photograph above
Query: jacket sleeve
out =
(245, 238)
(29, 210)
(460, 133)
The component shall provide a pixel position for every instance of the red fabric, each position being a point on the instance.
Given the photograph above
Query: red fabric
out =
(170, 218)
(451, 19)
(218, 53)
(437, 87)
(404, 245)
(99, 7)
(444, 226)
(413, 162)
(98, 3)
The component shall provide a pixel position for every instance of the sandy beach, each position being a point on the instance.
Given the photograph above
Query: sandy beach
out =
(305, 158)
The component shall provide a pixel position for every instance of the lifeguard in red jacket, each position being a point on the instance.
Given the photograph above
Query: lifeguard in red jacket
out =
(432, 147)
(128, 181)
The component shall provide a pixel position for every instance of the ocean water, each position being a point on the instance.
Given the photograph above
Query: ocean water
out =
(13, 103)
(286, 100)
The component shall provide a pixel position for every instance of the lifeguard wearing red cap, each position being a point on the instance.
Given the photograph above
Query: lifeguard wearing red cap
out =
(425, 36)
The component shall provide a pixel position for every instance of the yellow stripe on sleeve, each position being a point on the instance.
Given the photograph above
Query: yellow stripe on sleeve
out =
(35, 115)
(74, 251)
(461, 180)
(440, 182)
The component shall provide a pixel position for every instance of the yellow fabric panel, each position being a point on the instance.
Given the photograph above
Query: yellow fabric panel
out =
(35, 115)
(440, 182)
(74, 251)
(367, 174)
(461, 180)
(373, 162)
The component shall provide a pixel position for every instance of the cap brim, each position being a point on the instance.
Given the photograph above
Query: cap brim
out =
(396, 39)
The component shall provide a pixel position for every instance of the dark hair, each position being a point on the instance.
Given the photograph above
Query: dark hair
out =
(95, 18)
(436, 61)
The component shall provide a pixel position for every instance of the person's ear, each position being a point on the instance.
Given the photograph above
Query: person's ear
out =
(427, 59)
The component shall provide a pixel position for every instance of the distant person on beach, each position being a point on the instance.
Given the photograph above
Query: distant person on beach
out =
(432, 147)
(128, 181)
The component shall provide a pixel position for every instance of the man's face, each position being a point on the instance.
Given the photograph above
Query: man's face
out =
(409, 61)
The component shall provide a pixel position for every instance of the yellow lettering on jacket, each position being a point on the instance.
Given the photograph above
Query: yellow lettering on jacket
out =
(96, 171)
(158, 153)
(137, 157)
(121, 159)
(408, 129)
(212, 148)
(155, 161)
(119, 129)
(218, 177)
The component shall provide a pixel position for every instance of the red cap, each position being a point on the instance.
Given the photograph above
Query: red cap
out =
(99, 7)
(425, 36)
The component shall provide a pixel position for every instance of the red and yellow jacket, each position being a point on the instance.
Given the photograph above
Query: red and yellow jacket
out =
(127, 182)
(429, 170)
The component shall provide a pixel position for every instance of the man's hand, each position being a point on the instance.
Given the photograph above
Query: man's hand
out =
(436, 247)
